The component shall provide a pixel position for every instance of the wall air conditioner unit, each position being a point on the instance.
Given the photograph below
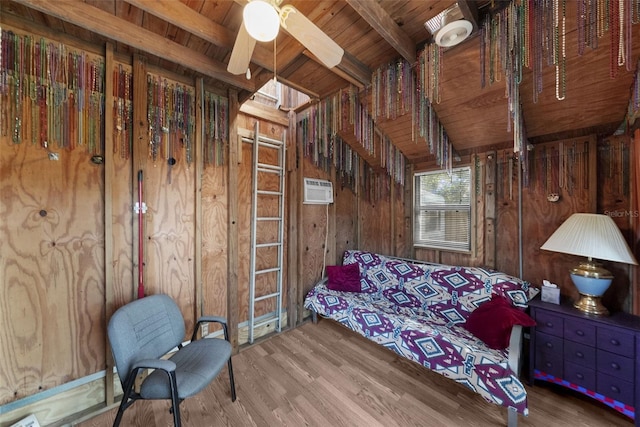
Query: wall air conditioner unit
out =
(317, 191)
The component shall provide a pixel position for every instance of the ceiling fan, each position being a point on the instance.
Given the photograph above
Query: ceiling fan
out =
(261, 20)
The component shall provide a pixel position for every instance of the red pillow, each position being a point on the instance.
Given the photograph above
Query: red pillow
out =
(344, 278)
(493, 320)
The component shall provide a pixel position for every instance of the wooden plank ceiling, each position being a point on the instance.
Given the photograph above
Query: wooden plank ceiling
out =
(195, 37)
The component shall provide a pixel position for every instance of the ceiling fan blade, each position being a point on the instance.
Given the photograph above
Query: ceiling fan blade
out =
(312, 37)
(241, 53)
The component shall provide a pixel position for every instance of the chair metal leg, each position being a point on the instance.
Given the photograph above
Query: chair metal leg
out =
(233, 384)
(175, 401)
(124, 404)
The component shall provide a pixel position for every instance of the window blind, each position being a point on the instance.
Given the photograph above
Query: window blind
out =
(442, 209)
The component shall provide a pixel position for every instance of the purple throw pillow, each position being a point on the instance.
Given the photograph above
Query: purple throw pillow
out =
(344, 278)
(493, 320)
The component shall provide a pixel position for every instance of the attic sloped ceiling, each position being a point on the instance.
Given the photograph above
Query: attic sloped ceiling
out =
(196, 37)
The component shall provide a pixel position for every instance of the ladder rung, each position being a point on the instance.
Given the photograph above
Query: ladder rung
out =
(268, 142)
(273, 171)
(270, 167)
(263, 297)
(269, 218)
(266, 322)
(272, 193)
(268, 270)
(268, 245)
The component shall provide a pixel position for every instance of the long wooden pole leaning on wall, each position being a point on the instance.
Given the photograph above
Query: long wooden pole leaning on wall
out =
(299, 177)
(490, 211)
(293, 195)
(108, 171)
(635, 205)
(198, 309)
(232, 221)
(331, 227)
(358, 203)
(392, 216)
(408, 213)
(138, 156)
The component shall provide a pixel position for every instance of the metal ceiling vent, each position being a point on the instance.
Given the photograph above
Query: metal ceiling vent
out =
(449, 27)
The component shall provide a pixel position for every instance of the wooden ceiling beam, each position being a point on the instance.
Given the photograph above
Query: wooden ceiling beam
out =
(107, 25)
(384, 25)
(187, 19)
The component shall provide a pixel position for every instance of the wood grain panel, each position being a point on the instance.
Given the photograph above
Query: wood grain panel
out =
(345, 211)
(52, 251)
(614, 199)
(313, 228)
(243, 193)
(541, 217)
(215, 193)
(124, 285)
(169, 233)
(376, 220)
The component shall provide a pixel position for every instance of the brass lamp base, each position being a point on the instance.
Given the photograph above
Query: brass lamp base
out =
(591, 305)
(592, 281)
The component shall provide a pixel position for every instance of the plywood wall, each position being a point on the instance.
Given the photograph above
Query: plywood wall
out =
(52, 318)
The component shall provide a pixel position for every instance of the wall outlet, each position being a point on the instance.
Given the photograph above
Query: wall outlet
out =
(204, 329)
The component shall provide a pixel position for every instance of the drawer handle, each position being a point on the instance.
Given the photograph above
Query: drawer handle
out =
(548, 344)
(580, 376)
(614, 365)
(615, 389)
(579, 333)
(548, 364)
(579, 354)
(549, 324)
(614, 341)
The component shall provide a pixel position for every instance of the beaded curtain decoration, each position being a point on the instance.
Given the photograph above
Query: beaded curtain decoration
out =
(344, 112)
(170, 113)
(50, 94)
(216, 128)
(123, 111)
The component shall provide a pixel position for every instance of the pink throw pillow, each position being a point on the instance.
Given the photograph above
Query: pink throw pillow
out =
(344, 278)
(493, 320)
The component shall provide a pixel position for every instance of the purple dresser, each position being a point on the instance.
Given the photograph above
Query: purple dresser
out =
(596, 356)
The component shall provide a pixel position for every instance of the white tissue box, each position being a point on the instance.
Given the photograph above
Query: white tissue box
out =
(550, 294)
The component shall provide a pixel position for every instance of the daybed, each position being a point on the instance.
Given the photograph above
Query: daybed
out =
(423, 312)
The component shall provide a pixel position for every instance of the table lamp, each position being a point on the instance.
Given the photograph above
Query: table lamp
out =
(592, 236)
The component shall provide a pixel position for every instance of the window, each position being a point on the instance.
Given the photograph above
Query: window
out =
(442, 210)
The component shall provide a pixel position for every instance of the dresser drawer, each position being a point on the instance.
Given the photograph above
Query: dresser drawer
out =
(548, 343)
(549, 362)
(548, 323)
(580, 353)
(580, 375)
(614, 364)
(615, 388)
(580, 331)
(616, 341)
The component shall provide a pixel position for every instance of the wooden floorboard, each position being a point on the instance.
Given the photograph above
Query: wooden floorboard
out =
(326, 375)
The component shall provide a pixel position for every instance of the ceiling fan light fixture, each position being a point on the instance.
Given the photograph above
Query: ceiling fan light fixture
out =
(454, 33)
(261, 20)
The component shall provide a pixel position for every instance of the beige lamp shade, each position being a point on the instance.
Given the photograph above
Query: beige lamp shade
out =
(590, 235)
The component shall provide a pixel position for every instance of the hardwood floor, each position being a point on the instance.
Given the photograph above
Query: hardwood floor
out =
(326, 375)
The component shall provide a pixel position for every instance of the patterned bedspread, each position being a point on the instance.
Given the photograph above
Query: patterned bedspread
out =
(417, 311)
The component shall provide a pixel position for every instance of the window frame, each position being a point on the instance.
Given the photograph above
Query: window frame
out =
(470, 208)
